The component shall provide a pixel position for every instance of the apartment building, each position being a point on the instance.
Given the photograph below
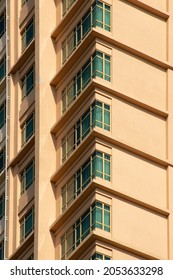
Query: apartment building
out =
(86, 122)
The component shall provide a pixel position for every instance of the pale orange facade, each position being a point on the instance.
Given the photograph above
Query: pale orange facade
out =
(86, 129)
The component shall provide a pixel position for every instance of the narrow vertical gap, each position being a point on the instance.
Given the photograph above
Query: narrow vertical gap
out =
(6, 133)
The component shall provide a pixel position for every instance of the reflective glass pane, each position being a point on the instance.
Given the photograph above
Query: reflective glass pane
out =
(86, 23)
(85, 224)
(85, 124)
(29, 175)
(28, 225)
(86, 74)
(86, 173)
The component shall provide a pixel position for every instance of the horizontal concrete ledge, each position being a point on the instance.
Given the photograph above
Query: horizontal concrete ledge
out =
(94, 236)
(152, 10)
(95, 135)
(22, 247)
(95, 85)
(23, 151)
(24, 56)
(92, 188)
(59, 28)
(92, 37)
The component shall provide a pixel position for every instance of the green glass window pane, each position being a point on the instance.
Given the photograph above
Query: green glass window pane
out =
(78, 83)
(70, 242)
(29, 81)
(93, 216)
(2, 206)
(107, 258)
(2, 69)
(79, 30)
(99, 15)
(98, 113)
(71, 91)
(64, 101)
(107, 70)
(78, 132)
(106, 117)
(93, 114)
(86, 23)
(99, 256)
(71, 42)
(99, 154)
(70, 191)
(63, 199)
(86, 173)
(107, 170)
(29, 33)
(98, 66)
(78, 179)
(2, 160)
(2, 250)
(93, 165)
(85, 124)
(29, 128)
(99, 218)
(78, 234)
(94, 14)
(107, 157)
(98, 204)
(22, 232)
(70, 142)
(99, 167)
(64, 148)
(2, 24)
(106, 218)
(107, 18)
(63, 248)
(85, 224)
(64, 54)
(107, 207)
(29, 175)
(2, 115)
(86, 74)
(28, 225)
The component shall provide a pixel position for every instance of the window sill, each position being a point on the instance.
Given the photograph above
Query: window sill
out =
(65, 20)
(23, 151)
(78, 202)
(24, 56)
(22, 247)
(26, 198)
(94, 83)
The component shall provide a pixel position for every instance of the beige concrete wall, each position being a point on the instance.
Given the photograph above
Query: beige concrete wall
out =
(160, 5)
(135, 27)
(128, 176)
(111, 251)
(139, 189)
(126, 227)
(131, 76)
(45, 157)
(132, 226)
(134, 126)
